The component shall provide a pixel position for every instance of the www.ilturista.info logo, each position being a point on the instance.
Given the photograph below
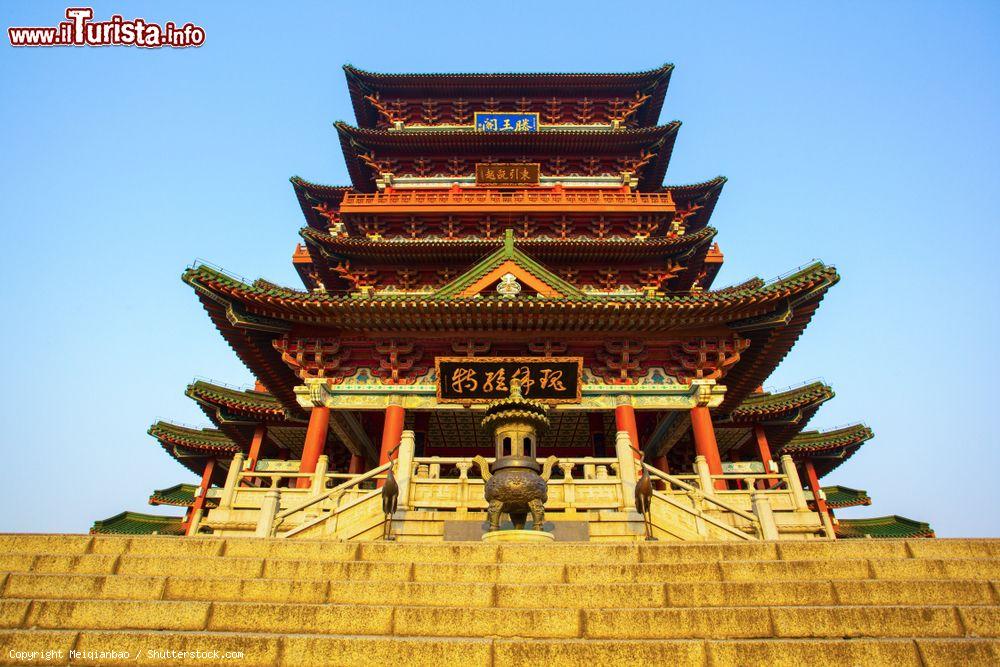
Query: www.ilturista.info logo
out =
(79, 30)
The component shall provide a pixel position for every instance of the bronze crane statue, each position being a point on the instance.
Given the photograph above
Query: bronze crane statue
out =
(390, 496)
(643, 498)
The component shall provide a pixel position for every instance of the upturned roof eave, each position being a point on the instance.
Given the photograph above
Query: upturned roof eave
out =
(361, 82)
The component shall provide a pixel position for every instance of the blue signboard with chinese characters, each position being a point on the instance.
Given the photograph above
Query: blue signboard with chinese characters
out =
(490, 121)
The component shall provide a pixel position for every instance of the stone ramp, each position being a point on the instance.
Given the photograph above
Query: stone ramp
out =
(300, 602)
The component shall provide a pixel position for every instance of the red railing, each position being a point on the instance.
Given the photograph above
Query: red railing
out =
(525, 199)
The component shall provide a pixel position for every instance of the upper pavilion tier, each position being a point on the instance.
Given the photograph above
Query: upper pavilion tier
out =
(420, 239)
(573, 157)
(383, 101)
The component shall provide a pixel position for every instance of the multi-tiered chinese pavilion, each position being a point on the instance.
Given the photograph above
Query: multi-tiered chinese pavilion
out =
(505, 227)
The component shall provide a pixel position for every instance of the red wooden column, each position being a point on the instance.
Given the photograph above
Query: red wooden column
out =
(199, 501)
(258, 439)
(705, 445)
(625, 421)
(357, 465)
(315, 443)
(392, 431)
(813, 479)
(764, 449)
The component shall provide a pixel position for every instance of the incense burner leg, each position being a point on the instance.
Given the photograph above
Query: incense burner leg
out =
(493, 512)
(537, 513)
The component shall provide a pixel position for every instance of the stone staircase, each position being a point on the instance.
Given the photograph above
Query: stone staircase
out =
(300, 602)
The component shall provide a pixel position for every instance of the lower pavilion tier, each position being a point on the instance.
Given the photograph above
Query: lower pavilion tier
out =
(251, 465)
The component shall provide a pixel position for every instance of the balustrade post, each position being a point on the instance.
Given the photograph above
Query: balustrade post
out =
(463, 481)
(626, 468)
(569, 487)
(404, 467)
(319, 475)
(794, 484)
(765, 515)
(704, 475)
(268, 510)
(232, 479)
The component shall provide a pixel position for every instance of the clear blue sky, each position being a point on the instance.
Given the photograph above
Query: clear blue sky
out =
(861, 133)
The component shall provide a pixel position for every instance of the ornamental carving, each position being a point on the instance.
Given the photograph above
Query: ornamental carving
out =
(705, 358)
(316, 357)
(620, 361)
(398, 362)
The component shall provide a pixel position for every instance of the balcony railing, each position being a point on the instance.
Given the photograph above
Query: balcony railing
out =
(473, 200)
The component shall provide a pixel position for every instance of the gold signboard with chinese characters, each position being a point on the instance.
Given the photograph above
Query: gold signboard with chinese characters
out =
(485, 379)
(507, 173)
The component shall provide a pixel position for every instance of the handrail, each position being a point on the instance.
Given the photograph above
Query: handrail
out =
(709, 497)
(337, 489)
(704, 517)
(339, 510)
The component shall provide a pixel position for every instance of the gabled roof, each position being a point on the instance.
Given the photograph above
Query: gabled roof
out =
(882, 527)
(782, 414)
(135, 523)
(361, 83)
(314, 198)
(827, 449)
(838, 497)
(508, 259)
(192, 446)
(259, 405)
(179, 495)
(384, 144)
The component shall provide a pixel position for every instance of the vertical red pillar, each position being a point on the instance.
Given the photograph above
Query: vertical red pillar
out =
(764, 449)
(813, 479)
(315, 443)
(199, 500)
(392, 431)
(660, 463)
(357, 465)
(255, 445)
(625, 421)
(705, 445)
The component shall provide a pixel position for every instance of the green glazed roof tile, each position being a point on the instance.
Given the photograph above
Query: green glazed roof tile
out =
(135, 523)
(882, 527)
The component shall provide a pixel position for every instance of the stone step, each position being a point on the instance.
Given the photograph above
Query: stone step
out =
(444, 621)
(277, 649)
(529, 572)
(575, 594)
(95, 547)
(561, 596)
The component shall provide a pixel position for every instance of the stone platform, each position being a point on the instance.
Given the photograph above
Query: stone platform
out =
(303, 602)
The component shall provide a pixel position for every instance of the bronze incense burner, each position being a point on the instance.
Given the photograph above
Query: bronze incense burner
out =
(516, 484)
